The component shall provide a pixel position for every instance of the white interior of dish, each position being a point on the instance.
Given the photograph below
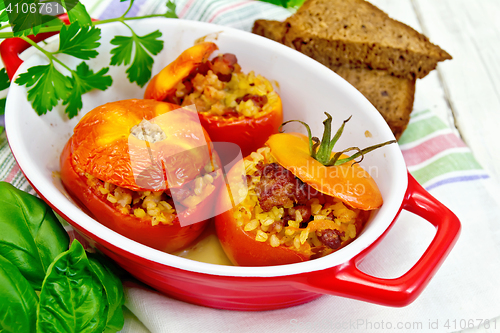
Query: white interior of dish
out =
(307, 89)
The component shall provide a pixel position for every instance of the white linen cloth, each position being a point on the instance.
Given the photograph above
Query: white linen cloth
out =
(463, 292)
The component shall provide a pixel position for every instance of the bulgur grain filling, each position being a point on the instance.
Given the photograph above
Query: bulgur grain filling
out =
(156, 207)
(218, 87)
(282, 210)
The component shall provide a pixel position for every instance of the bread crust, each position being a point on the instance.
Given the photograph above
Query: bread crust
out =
(392, 96)
(357, 33)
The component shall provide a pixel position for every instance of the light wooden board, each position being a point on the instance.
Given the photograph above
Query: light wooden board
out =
(464, 92)
(470, 32)
(430, 93)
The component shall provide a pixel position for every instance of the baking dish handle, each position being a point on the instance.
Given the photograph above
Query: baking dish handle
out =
(350, 282)
(12, 47)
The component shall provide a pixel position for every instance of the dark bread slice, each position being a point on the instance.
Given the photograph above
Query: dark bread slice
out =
(274, 30)
(354, 32)
(392, 96)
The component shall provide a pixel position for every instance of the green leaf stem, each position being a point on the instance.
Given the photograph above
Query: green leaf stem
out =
(322, 150)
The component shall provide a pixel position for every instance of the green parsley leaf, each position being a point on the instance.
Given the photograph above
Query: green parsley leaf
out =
(56, 21)
(79, 42)
(46, 21)
(152, 42)
(123, 52)
(78, 13)
(90, 80)
(48, 86)
(4, 17)
(4, 79)
(2, 106)
(26, 16)
(23, 23)
(82, 81)
(140, 70)
(171, 10)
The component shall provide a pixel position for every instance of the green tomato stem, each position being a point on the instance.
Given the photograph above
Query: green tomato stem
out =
(312, 147)
(321, 151)
(361, 152)
(325, 146)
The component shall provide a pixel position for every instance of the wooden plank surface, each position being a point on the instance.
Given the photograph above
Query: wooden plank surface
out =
(470, 32)
(430, 93)
(464, 92)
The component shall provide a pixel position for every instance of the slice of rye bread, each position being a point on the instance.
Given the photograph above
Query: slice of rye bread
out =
(355, 32)
(392, 96)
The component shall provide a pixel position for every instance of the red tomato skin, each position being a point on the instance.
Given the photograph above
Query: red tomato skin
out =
(167, 238)
(243, 250)
(248, 133)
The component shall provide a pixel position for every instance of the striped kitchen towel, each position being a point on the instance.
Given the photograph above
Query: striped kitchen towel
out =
(435, 155)
(9, 170)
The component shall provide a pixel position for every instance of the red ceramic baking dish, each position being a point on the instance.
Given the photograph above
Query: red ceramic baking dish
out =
(307, 90)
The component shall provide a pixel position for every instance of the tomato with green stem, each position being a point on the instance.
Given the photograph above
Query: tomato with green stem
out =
(303, 201)
(233, 107)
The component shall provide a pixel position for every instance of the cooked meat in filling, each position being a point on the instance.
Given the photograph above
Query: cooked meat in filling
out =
(218, 87)
(278, 187)
(284, 211)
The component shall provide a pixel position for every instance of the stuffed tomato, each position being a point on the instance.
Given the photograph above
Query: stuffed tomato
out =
(296, 206)
(142, 168)
(233, 106)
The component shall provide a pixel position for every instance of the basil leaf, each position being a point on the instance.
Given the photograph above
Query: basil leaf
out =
(18, 301)
(72, 297)
(31, 236)
(114, 291)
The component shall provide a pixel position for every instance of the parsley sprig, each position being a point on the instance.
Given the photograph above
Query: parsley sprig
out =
(54, 83)
(145, 46)
(47, 85)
